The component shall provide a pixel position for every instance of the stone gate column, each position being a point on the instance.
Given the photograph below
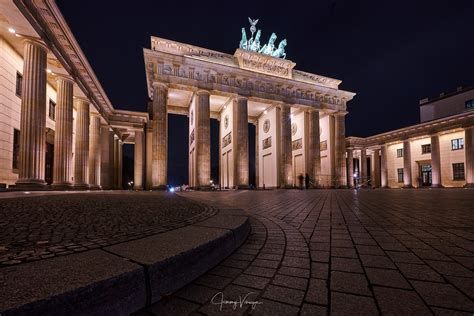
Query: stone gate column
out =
(407, 183)
(138, 159)
(106, 157)
(119, 165)
(33, 116)
(257, 164)
(115, 163)
(340, 150)
(241, 157)
(435, 162)
(376, 164)
(383, 166)
(469, 155)
(286, 178)
(94, 152)
(63, 133)
(160, 136)
(314, 148)
(350, 168)
(81, 148)
(363, 167)
(203, 139)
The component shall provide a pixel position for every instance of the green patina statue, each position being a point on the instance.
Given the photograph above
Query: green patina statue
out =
(253, 44)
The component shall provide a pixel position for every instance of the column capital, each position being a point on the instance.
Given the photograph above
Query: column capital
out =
(158, 84)
(35, 41)
(66, 78)
(202, 92)
(341, 113)
(81, 99)
(241, 98)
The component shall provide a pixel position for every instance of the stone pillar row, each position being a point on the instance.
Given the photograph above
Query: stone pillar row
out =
(63, 133)
(286, 178)
(33, 116)
(240, 113)
(81, 146)
(160, 136)
(340, 150)
(94, 152)
(203, 139)
(407, 183)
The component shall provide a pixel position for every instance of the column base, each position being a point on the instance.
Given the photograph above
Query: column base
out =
(61, 186)
(81, 186)
(203, 188)
(469, 186)
(140, 188)
(242, 187)
(159, 188)
(31, 184)
(437, 186)
(408, 186)
(95, 187)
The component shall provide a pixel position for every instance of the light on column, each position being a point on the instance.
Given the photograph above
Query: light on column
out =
(11, 30)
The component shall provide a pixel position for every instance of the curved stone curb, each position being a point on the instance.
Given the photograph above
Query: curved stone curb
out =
(123, 278)
(170, 265)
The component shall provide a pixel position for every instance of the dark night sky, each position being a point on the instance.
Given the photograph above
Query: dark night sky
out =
(391, 53)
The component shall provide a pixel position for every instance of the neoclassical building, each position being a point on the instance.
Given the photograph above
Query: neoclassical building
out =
(57, 125)
(438, 152)
(299, 117)
(59, 130)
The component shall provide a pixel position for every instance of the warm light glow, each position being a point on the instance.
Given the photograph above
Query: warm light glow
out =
(265, 112)
(48, 71)
(291, 116)
(11, 30)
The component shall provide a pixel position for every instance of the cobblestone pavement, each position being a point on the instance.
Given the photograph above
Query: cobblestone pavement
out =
(40, 227)
(343, 253)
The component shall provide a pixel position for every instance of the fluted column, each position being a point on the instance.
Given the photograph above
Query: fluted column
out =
(383, 167)
(106, 157)
(469, 155)
(33, 116)
(63, 133)
(435, 162)
(286, 178)
(139, 160)
(376, 163)
(241, 158)
(407, 164)
(116, 162)
(340, 150)
(119, 165)
(160, 136)
(257, 164)
(94, 152)
(81, 148)
(314, 148)
(363, 167)
(350, 168)
(203, 139)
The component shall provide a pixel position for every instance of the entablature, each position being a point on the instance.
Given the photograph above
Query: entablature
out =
(188, 73)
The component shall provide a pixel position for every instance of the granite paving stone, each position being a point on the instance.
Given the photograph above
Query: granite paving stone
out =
(310, 252)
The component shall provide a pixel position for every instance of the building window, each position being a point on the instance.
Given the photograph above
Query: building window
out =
(52, 109)
(400, 175)
(469, 104)
(426, 149)
(19, 83)
(458, 171)
(457, 143)
(16, 149)
(399, 152)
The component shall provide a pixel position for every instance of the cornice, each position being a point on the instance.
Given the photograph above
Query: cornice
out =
(462, 120)
(46, 18)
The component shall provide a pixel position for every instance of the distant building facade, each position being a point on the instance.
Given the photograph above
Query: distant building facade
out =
(57, 126)
(438, 152)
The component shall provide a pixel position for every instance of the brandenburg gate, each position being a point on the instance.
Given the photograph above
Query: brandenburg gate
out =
(299, 116)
